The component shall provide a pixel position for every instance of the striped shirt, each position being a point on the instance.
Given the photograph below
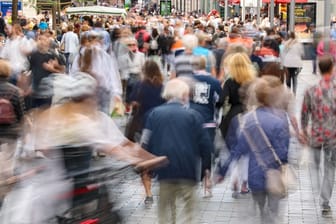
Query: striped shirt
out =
(183, 65)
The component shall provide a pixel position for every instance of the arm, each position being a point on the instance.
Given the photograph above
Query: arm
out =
(53, 66)
(212, 59)
(281, 142)
(238, 150)
(305, 114)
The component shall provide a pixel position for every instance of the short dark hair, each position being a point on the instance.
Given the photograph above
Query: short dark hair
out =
(326, 63)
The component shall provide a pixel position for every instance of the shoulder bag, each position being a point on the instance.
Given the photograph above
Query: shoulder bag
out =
(278, 181)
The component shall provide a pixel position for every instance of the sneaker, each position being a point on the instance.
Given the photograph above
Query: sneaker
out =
(149, 200)
(235, 194)
(245, 191)
(326, 209)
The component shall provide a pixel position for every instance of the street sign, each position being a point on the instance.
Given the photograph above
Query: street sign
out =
(165, 7)
(128, 4)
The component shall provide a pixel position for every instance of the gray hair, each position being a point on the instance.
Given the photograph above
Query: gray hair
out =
(176, 89)
(190, 41)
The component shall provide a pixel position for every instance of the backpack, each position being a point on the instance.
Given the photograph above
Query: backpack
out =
(7, 114)
(154, 45)
(141, 40)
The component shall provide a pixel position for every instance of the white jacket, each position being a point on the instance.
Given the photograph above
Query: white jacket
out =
(291, 56)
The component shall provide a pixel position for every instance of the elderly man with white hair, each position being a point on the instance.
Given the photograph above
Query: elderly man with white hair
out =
(176, 131)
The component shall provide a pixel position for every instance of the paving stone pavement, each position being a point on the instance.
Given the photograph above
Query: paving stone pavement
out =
(301, 206)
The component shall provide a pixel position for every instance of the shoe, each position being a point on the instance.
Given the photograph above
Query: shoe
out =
(246, 191)
(235, 194)
(326, 209)
(149, 200)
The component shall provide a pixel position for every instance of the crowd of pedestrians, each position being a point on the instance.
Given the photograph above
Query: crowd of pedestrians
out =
(178, 80)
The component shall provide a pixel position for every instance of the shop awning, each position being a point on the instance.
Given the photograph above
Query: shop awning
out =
(230, 2)
(284, 1)
(95, 10)
(237, 2)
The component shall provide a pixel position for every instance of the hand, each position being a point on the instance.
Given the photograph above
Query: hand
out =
(303, 139)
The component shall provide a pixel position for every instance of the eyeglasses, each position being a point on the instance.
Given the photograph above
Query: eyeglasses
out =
(131, 45)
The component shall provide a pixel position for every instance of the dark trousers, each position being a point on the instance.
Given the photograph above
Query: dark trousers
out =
(269, 214)
(77, 159)
(41, 102)
(67, 62)
(292, 78)
(132, 80)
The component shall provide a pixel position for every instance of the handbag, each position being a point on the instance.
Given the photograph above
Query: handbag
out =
(278, 181)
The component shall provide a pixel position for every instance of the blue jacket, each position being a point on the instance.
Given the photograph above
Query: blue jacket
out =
(175, 131)
(207, 96)
(275, 125)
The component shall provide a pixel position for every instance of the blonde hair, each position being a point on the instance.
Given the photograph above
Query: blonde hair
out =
(240, 68)
(5, 70)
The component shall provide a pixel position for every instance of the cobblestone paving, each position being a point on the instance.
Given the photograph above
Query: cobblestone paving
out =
(301, 206)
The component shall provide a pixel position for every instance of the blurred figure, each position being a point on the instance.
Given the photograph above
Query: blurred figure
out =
(93, 59)
(221, 46)
(153, 49)
(16, 49)
(316, 39)
(143, 39)
(145, 96)
(267, 52)
(70, 42)
(2, 24)
(176, 131)
(11, 119)
(106, 40)
(165, 41)
(60, 142)
(131, 65)
(241, 72)
(291, 59)
(43, 63)
(273, 123)
(207, 96)
(201, 50)
(326, 46)
(182, 65)
(318, 108)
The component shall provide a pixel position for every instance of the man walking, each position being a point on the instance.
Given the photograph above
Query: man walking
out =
(176, 131)
(319, 108)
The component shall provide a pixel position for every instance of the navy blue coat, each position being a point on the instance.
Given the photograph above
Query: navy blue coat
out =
(175, 131)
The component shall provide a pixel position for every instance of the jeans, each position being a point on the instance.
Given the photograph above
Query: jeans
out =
(169, 192)
(328, 178)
